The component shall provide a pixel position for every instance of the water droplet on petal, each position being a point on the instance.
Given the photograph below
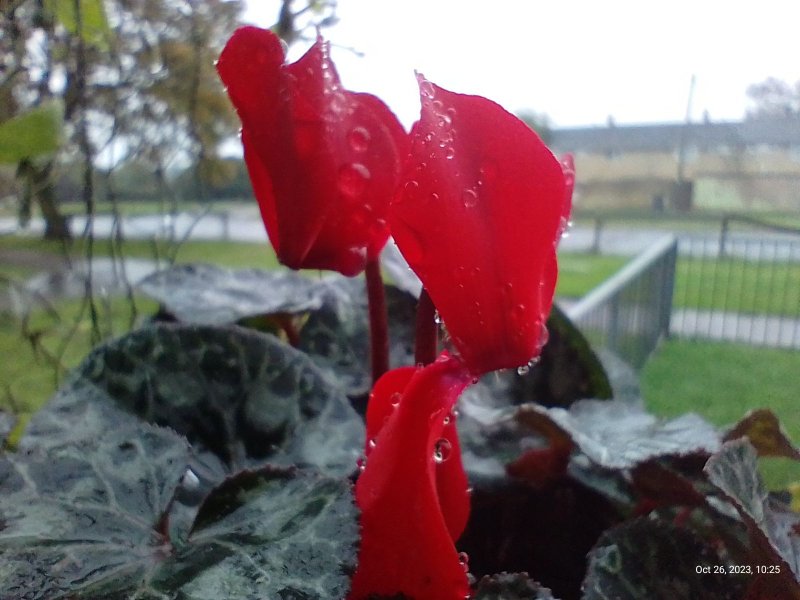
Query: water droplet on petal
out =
(488, 171)
(523, 370)
(359, 138)
(361, 463)
(442, 450)
(411, 186)
(426, 89)
(518, 315)
(469, 197)
(449, 153)
(395, 398)
(544, 337)
(434, 196)
(437, 318)
(353, 180)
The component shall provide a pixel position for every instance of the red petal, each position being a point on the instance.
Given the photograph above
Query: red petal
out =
(406, 546)
(255, 55)
(477, 217)
(323, 161)
(451, 481)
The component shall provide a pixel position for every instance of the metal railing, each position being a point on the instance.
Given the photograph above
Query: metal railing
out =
(630, 312)
(743, 287)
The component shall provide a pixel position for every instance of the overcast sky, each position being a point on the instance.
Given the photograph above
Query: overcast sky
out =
(578, 61)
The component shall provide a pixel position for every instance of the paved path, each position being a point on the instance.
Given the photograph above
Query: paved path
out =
(758, 330)
(243, 223)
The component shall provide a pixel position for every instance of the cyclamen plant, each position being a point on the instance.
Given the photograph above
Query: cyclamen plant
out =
(246, 449)
(476, 203)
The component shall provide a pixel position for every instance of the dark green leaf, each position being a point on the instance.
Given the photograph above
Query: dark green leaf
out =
(651, 560)
(245, 397)
(87, 522)
(337, 335)
(568, 369)
(510, 586)
(88, 518)
(210, 295)
(32, 133)
(271, 533)
(620, 434)
(774, 530)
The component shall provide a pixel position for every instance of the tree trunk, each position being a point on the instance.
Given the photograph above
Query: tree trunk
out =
(39, 188)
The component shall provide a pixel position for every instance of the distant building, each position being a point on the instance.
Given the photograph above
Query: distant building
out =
(751, 164)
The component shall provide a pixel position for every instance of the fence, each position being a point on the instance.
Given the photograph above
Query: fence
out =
(743, 286)
(630, 312)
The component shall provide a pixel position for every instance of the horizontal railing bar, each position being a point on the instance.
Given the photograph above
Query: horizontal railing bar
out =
(624, 276)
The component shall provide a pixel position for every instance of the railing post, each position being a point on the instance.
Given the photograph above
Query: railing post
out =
(613, 323)
(723, 236)
(670, 263)
(598, 230)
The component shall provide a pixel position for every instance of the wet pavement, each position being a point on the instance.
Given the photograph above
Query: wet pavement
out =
(243, 223)
(755, 330)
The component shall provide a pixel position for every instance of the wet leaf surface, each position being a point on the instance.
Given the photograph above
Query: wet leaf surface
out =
(242, 397)
(269, 533)
(86, 517)
(89, 521)
(773, 528)
(652, 560)
(620, 434)
(210, 295)
(510, 586)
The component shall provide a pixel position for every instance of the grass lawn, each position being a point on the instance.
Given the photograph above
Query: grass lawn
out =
(738, 286)
(580, 273)
(721, 382)
(33, 365)
(232, 254)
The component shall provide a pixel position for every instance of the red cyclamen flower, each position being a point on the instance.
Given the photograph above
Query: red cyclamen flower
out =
(323, 161)
(413, 491)
(480, 210)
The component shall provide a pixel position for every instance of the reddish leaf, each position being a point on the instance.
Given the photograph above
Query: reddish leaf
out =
(764, 430)
(413, 492)
(480, 209)
(323, 161)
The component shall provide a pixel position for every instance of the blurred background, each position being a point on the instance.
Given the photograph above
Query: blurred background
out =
(119, 155)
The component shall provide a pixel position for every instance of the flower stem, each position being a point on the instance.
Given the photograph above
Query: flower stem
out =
(378, 320)
(426, 334)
